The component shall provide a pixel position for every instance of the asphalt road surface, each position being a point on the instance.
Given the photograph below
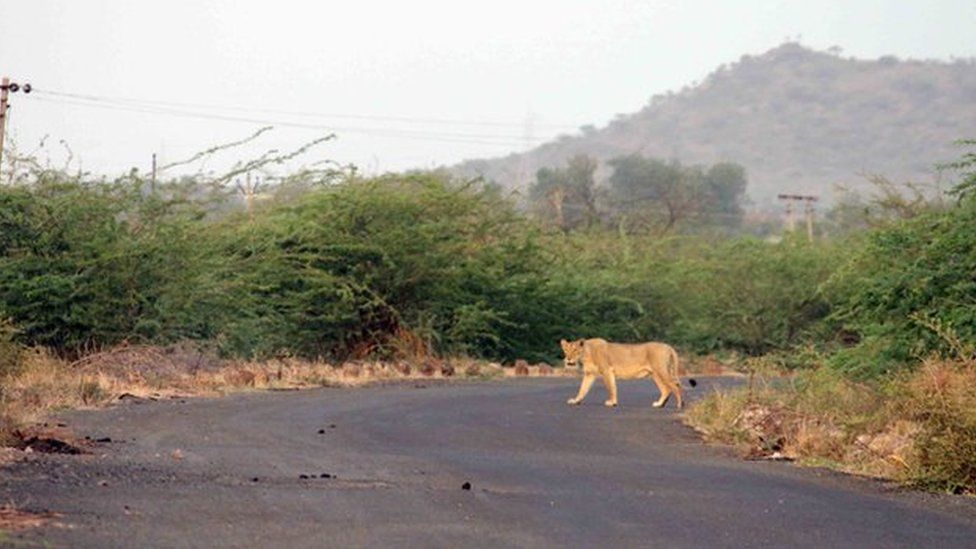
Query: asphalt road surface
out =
(227, 472)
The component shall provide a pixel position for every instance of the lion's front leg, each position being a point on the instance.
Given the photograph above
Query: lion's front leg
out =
(610, 380)
(588, 380)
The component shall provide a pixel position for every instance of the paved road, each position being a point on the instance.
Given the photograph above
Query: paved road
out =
(542, 474)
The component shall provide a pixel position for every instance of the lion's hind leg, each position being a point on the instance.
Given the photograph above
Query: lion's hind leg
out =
(663, 388)
(675, 385)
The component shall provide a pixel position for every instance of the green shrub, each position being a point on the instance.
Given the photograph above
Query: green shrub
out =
(423, 263)
(11, 352)
(909, 281)
(699, 292)
(90, 264)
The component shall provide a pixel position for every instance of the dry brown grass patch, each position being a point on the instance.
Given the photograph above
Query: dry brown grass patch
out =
(941, 399)
(44, 383)
(709, 365)
(15, 519)
(918, 428)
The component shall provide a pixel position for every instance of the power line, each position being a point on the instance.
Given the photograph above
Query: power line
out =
(454, 137)
(227, 118)
(418, 120)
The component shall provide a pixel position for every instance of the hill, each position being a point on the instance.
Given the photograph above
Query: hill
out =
(799, 121)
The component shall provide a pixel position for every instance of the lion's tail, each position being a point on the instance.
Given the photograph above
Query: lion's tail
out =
(674, 369)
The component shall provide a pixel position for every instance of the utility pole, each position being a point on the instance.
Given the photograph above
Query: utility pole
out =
(808, 201)
(6, 86)
(808, 210)
(152, 181)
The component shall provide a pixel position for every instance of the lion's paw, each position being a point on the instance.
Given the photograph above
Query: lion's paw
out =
(658, 404)
(572, 401)
(610, 404)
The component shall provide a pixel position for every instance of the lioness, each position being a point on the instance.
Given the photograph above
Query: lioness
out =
(613, 361)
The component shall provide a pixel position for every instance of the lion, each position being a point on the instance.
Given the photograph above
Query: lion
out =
(613, 361)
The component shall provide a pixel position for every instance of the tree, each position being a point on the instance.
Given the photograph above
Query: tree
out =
(566, 195)
(725, 189)
(640, 186)
(662, 194)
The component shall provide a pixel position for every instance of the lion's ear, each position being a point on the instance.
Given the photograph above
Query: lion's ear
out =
(563, 343)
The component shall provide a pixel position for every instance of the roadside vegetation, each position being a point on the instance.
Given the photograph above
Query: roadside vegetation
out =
(887, 386)
(183, 286)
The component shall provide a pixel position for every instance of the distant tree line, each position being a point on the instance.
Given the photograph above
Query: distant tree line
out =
(641, 195)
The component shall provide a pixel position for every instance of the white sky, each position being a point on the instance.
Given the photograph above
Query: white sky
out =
(558, 64)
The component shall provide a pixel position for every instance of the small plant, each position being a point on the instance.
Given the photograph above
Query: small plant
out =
(956, 347)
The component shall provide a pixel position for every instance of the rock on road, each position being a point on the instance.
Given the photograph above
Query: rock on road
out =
(541, 473)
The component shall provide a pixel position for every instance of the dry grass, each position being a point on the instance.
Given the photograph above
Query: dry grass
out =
(941, 399)
(710, 365)
(15, 519)
(919, 428)
(42, 383)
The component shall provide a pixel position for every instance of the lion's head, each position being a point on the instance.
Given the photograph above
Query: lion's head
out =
(573, 351)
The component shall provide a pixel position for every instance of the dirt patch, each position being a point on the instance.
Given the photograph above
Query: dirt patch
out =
(48, 440)
(50, 446)
(522, 368)
(10, 455)
(15, 519)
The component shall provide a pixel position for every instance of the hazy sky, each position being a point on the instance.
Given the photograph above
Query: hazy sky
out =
(404, 84)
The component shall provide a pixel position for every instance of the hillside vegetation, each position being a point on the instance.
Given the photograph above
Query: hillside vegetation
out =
(798, 120)
(891, 392)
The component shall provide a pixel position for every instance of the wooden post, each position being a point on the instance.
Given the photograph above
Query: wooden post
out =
(249, 197)
(808, 201)
(809, 213)
(4, 88)
(152, 181)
